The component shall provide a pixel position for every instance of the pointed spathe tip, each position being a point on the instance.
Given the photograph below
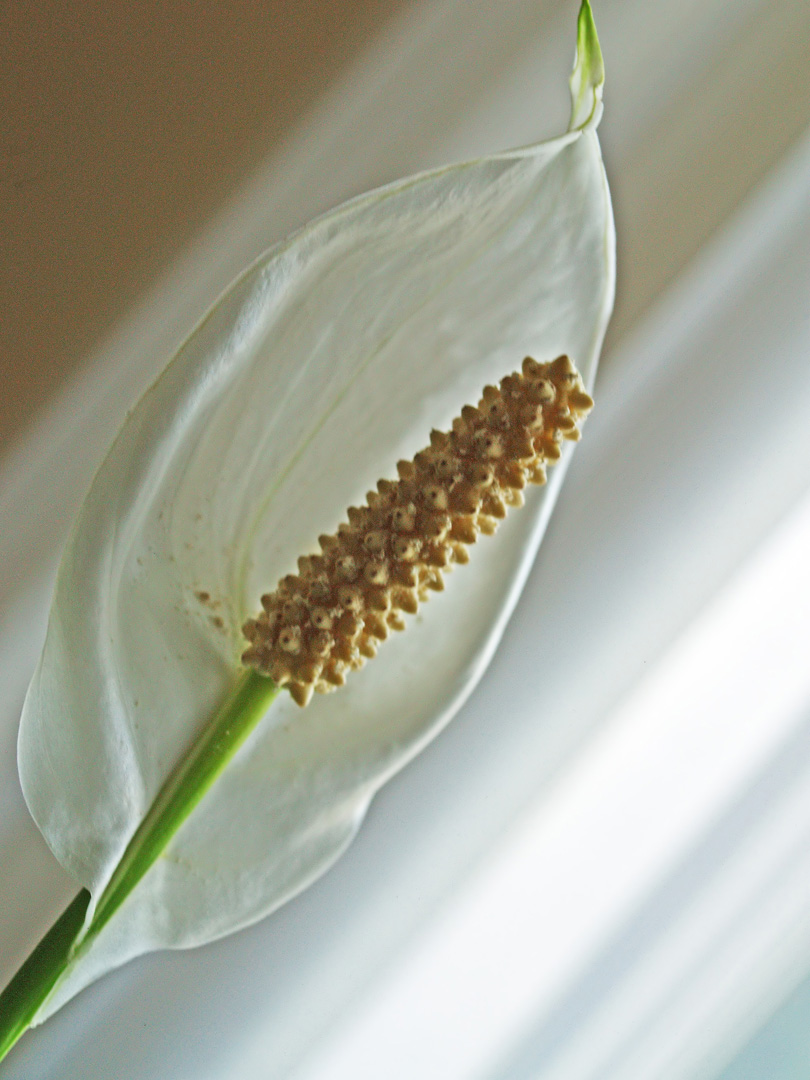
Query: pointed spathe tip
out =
(588, 77)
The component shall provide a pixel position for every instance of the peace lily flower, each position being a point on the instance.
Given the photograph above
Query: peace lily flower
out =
(328, 360)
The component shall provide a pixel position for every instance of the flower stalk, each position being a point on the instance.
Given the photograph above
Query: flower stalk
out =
(35, 980)
(71, 936)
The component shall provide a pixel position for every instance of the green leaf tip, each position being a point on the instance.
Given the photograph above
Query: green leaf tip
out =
(588, 76)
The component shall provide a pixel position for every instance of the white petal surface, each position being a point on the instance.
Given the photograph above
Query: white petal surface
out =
(327, 361)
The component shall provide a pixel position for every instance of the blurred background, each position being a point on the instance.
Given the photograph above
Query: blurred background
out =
(610, 878)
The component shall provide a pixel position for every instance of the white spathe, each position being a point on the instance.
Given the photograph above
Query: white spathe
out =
(329, 359)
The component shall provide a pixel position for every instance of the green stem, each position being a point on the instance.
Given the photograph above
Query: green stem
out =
(39, 974)
(183, 790)
(185, 786)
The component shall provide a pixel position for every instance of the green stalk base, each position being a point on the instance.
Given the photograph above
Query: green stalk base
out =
(66, 941)
(39, 974)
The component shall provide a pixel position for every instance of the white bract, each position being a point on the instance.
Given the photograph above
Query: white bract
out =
(329, 359)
